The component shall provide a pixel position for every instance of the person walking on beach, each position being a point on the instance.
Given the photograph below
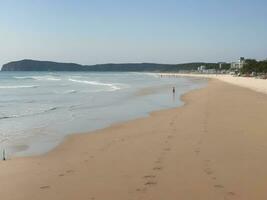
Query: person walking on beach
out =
(4, 155)
(173, 94)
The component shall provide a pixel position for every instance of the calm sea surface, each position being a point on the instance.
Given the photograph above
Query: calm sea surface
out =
(38, 109)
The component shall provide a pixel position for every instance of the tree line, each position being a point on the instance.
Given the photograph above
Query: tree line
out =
(254, 66)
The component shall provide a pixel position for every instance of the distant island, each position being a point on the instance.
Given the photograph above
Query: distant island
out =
(34, 65)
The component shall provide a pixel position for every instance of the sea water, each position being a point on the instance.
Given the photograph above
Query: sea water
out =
(38, 109)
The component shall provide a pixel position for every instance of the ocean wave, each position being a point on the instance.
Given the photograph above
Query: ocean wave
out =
(112, 87)
(66, 92)
(39, 78)
(156, 75)
(70, 91)
(29, 114)
(18, 86)
(4, 117)
(50, 109)
(22, 77)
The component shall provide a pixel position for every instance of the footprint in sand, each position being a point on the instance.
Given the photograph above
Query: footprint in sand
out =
(197, 151)
(219, 186)
(167, 149)
(70, 171)
(150, 183)
(208, 171)
(61, 175)
(231, 193)
(45, 187)
(141, 189)
(157, 168)
(149, 176)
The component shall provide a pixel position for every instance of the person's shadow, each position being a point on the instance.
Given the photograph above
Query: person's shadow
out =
(173, 94)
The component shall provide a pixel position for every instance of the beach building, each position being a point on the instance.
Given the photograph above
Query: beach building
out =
(201, 68)
(239, 64)
(221, 64)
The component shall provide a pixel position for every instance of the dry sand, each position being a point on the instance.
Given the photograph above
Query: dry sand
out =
(259, 85)
(213, 148)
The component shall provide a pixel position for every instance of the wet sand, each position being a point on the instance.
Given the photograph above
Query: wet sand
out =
(214, 147)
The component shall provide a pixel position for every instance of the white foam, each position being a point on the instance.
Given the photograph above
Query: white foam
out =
(112, 86)
(29, 113)
(18, 86)
(70, 92)
(39, 78)
(46, 78)
(156, 75)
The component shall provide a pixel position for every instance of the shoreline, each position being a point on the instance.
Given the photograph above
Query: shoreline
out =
(161, 156)
(163, 89)
(121, 123)
(144, 91)
(86, 114)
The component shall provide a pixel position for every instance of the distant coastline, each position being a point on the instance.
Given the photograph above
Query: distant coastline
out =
(35, 65)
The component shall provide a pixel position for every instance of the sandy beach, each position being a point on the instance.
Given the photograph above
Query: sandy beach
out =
(259, 85)
(212, 148)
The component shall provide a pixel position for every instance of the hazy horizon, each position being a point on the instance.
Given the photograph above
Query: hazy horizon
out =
(105, 31)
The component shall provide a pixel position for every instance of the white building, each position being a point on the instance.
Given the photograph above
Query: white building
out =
(239, 64)
(201, 68)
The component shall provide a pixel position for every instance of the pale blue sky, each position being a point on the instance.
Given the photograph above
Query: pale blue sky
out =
(102, 31)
